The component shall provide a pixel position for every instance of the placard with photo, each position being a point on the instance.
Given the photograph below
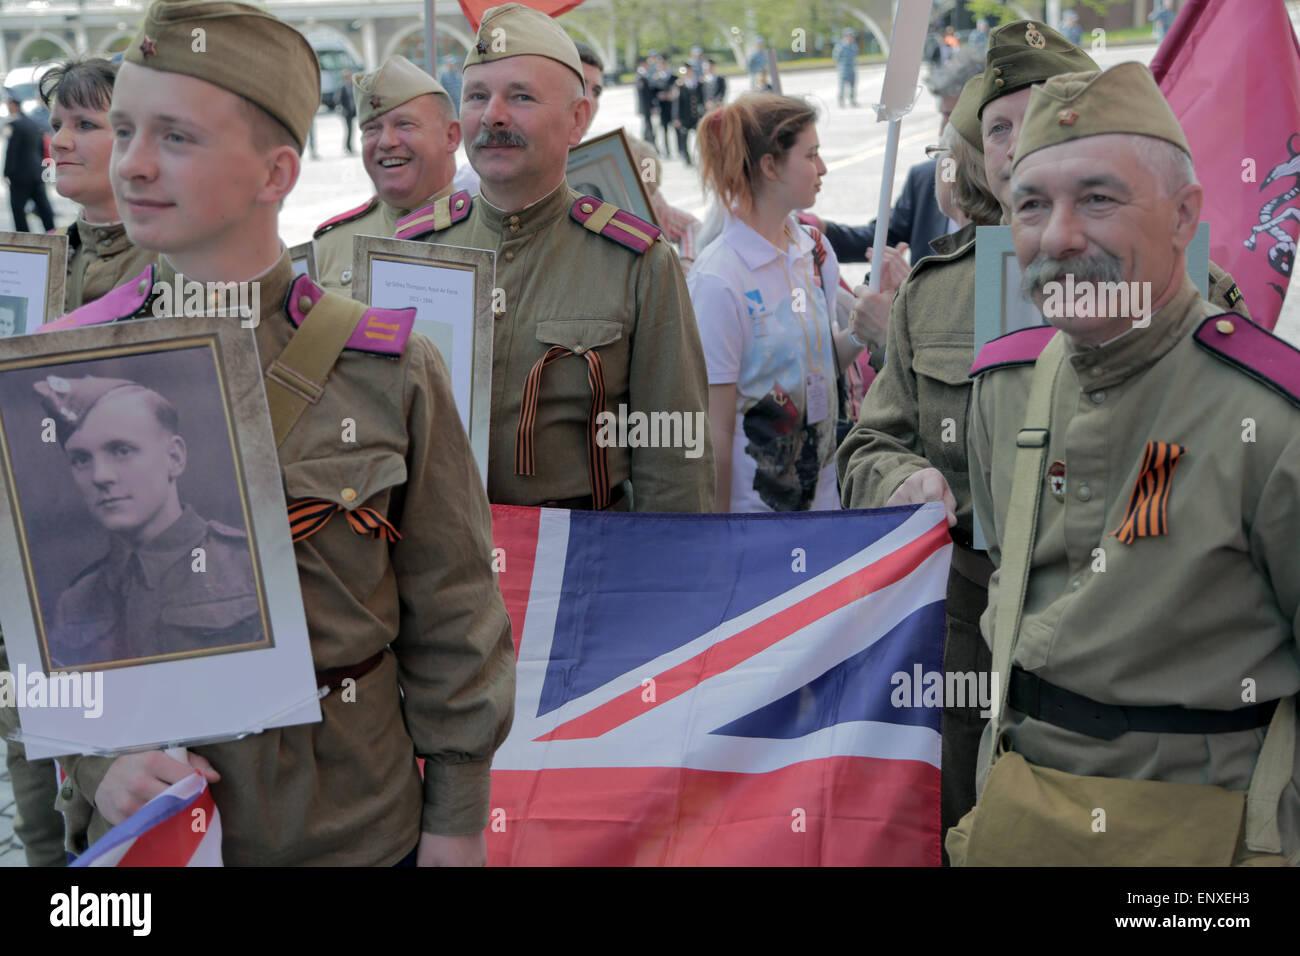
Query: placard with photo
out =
(603, 167)
(33, 274)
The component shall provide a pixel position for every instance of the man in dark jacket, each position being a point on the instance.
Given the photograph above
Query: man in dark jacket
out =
(23, 167)
(348, 107)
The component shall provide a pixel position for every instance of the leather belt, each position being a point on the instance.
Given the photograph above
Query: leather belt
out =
(974, 566)
(334, 677)
(1035, 697)
(585, 502)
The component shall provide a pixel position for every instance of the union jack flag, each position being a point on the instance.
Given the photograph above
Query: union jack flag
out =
(716, 689)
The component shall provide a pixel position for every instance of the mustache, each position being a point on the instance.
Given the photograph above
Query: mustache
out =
(1102, 267)
(502, 137)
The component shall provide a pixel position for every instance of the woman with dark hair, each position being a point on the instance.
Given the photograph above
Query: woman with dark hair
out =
(760, 292)
(100, 256)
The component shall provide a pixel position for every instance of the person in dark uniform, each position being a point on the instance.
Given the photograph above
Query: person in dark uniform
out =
(23, 167)
(348, 107)
(152, 594)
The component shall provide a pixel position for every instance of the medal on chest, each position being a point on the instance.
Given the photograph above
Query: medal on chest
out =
(1056, 480)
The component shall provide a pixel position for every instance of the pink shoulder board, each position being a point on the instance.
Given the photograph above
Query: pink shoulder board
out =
(122, 303)
(381, 331)
(613, 223)
(436, 216)
(1257, 352)
(343, 217)
(1021, 347)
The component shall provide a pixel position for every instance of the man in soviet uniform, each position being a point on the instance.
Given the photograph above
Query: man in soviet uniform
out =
(596, 317)
(1158, 638)
(409, 138)
(392, 532)
(144, 598)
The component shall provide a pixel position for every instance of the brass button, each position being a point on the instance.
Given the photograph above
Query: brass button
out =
(999, 83)
(997, 71)
(304, 304)
(579, 350)
(510, 254)
(1225, 326)
(514, 220)
(460, 203)
(499, 314)
(346, 275)
(1084, 493)
(514, 228)
(588, 207)
(349, 494)
(143, 287)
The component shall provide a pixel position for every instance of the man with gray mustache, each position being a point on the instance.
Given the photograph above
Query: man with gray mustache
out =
(1144, 610)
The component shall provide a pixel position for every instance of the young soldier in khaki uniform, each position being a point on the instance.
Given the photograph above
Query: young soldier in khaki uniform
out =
(409, 138)
(595, 317)
(1158, 636)
(401, 592)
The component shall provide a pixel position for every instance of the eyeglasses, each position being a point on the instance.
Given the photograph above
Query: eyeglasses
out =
(932, 151)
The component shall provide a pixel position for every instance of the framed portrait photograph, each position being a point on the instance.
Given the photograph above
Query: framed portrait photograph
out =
(303, 257)
(603, 167)
(33, 274)
(450, 287)
(143, 520)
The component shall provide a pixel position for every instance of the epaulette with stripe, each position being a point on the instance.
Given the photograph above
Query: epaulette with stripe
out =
(1021, 347)
(380, 331)
(343, 217)
(611, 222)
(1253, 350)
(124, 302)
(438, 215)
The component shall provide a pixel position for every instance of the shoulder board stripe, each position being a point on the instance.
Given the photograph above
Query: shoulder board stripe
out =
(343, 217)
(380, 331)
(1021, 347)
(436, 216)
(606, 219)
(122, 303)
(1254, 350)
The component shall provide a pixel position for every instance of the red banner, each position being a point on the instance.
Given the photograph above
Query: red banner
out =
(474, 9)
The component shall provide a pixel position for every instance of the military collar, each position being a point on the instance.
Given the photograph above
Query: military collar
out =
(532, 217)
(1139, 348)
(954, 241)
(393, 213)
(273, 289)
(755, 251)
(99, 240)
(157, 555)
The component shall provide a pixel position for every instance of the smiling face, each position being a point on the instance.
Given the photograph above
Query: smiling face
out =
(185, 171)
(82, 146)
(797, 179)
(520, 115)
(1000, 127)
(1094, 209)
(410, 151)
(125, 464)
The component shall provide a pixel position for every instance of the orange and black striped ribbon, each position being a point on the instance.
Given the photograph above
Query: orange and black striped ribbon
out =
(525, 451)
(1148, 505)
(309, 515)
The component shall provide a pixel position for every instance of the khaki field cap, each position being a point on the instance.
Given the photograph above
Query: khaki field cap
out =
(515, 30)
(965, 115)
(238, 47)
(69, 401)
(396, 82)
(1026, 52)
(1124, 99)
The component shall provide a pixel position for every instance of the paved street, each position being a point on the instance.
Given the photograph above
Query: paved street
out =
(852, 145)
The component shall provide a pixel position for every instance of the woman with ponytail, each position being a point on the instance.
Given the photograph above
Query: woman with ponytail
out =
(760, 292)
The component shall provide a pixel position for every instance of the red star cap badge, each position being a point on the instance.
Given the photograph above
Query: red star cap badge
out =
(146, 47)
(1067, 117)
(481, 47)
(374, 102)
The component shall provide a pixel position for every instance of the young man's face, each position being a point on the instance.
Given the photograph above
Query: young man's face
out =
(520, 116)
(409, 151)
(125, 464)
(185, 171)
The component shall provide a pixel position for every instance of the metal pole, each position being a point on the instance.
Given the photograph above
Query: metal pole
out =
(883, 210)
(430, 28)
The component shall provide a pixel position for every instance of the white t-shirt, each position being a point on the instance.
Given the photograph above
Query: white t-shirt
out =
(781, 359)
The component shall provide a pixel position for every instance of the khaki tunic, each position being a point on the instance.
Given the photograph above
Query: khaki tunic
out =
(334, 244)
(35, 783)
(346, 791)
(100, 258)
(149, 601)
(1178, 619)
(566, 285)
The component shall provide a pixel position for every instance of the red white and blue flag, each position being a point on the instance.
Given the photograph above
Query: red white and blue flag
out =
(716, 689)
(179, 827)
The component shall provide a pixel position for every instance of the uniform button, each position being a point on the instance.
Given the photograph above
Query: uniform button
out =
(510, 254)
(579, 350)
(66, 792)
(345, 275)
(588, 207)
(1094, 372)
(514, 228)
(1084, 493)
(1098, 397)
(460, 204)
(143, 287)
(514, 220)
(1225, 327)
(106, 242)
(999, 83)
(304, 304)
(997, 71)
(349, 494)
(499, 314)
(1076, 584)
